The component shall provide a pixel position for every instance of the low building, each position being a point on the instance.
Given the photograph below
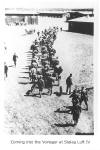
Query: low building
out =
(15, 16)
(50, 14)
(83, 25)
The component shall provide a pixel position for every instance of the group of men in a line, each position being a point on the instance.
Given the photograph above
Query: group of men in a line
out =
(39, 82)
(78, 96)
(44, 68)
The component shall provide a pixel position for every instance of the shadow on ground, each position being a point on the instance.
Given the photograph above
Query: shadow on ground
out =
(64, 125)
(24, 77)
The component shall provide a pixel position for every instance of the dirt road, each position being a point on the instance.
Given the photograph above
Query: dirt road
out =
(33, 115)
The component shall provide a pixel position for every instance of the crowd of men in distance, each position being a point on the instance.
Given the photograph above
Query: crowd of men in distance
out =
(45, 70)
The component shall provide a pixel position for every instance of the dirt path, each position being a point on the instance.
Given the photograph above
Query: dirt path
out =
(76, 57)
(32, 115)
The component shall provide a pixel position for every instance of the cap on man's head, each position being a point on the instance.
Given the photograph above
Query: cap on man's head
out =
(70, 74)
(82, 87)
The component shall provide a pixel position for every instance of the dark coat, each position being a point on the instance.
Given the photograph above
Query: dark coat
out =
(69, 81)
(49, 82)
(40, 84)
(15, 57)
(5, 69)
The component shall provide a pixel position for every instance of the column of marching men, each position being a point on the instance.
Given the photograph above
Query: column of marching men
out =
(44, 69)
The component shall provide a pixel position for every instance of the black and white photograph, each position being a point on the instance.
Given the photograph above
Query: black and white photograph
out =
(49, 71)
